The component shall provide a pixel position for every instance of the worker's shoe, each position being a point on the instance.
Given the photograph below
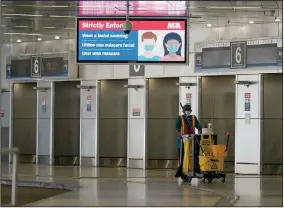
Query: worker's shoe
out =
(184, 178)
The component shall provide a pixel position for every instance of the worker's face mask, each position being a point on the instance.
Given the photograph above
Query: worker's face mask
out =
(188, 113)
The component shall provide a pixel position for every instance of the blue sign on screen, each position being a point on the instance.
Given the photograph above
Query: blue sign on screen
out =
(118, 46)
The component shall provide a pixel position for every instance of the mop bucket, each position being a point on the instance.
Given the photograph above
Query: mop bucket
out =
(215, 161)
(211, 163)
(219, 150)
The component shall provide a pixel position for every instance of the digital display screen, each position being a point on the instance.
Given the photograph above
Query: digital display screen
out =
(215, 57)
(150, 41)
(262, 54)
(137, 8)
(20, 68)
(52, 66)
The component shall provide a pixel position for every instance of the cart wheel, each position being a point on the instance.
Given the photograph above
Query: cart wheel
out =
(209, 180)
(223, 180)
(186, 179)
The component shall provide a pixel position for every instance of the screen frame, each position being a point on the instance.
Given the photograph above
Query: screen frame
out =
(262, 46)
(56, 75)
(217, 66)
(28, 70)
(125, 62)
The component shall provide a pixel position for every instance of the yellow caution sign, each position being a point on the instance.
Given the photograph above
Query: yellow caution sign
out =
(214, 166)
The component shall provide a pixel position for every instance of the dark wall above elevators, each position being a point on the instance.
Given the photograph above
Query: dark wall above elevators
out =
(217, 106)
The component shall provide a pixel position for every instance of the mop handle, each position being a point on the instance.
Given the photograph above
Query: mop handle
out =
(228, 136)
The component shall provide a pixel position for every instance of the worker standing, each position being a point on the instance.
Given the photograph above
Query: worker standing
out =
(183, 132)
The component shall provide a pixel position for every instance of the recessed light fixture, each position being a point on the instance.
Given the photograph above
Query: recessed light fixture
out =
(277, 20)
(19, 41)
(22, 34)
(209, 25)
(56, 37)
(251, 22)
(59, 16)
(24, 26)
(24, 15)
(48, 27)
(39, 39)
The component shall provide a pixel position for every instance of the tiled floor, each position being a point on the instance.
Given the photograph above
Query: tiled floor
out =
(122, 187)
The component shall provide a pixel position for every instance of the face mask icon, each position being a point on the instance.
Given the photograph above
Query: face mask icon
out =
(149, 47)
(172, 49)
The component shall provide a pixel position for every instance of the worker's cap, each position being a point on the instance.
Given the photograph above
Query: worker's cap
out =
(187, 107)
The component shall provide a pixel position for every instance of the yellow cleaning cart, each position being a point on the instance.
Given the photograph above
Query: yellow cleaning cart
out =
(211, 158)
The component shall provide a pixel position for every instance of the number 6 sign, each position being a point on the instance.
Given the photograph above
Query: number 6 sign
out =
(238, 55)
(36, 67)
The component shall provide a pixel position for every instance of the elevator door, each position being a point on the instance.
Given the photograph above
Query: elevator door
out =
(5, 124)
(66, 123)
(272, 140)
(163, 109)
(113, 105)
(24, 120)
(218, 107)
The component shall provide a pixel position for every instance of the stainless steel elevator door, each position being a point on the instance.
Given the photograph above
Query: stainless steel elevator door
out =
(163, 109)
(66, 123)
(24, 120)
(272, 140)
(113, 115)
(218, 107)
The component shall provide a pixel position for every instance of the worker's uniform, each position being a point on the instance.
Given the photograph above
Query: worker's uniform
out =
(185, 131)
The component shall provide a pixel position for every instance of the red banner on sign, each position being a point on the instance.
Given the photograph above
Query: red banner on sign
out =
(247, 95)
(188, 95)
(136, 110)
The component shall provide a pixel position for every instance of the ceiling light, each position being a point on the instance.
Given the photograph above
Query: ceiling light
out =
(24, 15)
(39, 39)
(22, 34)
(251, 22)
(277, 20)
(19, 41)
(209, 25)
(21, 26)
(49, 27)
(57, 16)
(240, 7)
(43, 6)
(56, 37)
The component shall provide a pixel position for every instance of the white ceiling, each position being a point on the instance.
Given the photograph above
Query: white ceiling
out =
(28, 20)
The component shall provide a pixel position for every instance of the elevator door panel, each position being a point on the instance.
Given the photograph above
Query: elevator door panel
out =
(24, 118)
(272, 150)
(218, 107)
(67, 119)
(113, 105)
(113, 140)
(163, 109)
